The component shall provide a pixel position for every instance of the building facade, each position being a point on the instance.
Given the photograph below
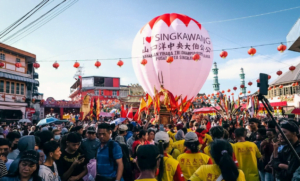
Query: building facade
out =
(131, 95)
(18, 87)
(216, 84)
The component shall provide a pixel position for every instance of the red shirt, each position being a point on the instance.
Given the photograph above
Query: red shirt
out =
(136, 143)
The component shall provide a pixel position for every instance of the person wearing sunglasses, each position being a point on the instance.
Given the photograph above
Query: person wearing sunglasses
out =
(285, 161)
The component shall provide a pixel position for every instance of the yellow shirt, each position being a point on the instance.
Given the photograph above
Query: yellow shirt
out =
(190, 130)
(247, 154)
(190, 162)
(207, 140)
(179, 145)
(207, 151)
(170, 168)
(171, 135)
(211, 173)
(146, 179)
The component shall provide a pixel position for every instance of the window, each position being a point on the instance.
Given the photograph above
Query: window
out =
(12, 88)
(22, 89)
(1, 86)
(18, 60)
(102, 93)
(115, 93)
(2, 56)
(274, 93)
(96, 92)
(7, 87)
(17, 88)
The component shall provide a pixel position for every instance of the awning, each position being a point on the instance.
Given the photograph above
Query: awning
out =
(273, 104)
(296, 111)
(207, 109)
(17, 77)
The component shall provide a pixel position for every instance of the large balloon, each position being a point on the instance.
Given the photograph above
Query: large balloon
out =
(180, 37)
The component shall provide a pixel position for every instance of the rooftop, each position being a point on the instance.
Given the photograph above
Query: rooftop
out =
(288, 77)
(16, 51)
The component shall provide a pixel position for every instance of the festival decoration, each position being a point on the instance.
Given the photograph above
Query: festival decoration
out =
(292, 68)
(281, 48)
(120, 63)
(218, 93)
(279, 72)
(36, 65)
(223, 91)
(196, 57)
(3, 96)
(23, 98)
(76, 64)
(55, 65)
(269, 77)
(234, 88)
(223, 54)
(242, 86)
(249, 92)
(18, 64)
(241, 93)
(281, 86)
(252, 51)
(1, 64)
(232, 94)
(250, 83)
(97, 64)
(159, 41)
(13, 98)
(258, 81)
(212, 94)
(144, 62)
(228, 90)
(208, 95)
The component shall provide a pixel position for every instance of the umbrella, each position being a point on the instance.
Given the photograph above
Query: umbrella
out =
(47, 121)
(118, 121)
(24, 121)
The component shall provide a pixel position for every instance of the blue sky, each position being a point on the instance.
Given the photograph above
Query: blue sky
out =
(105, 29)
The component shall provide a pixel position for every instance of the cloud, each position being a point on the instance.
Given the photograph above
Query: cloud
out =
(252, 66)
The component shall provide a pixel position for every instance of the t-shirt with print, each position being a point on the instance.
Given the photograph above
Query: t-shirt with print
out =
(66, 160)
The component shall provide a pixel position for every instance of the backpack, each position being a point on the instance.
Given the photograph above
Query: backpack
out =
(127, 172)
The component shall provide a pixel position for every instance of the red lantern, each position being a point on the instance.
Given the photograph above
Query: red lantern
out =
(250, 83)
(223, 91)
(218, 96)
(36, 65)
(281, 48)
(18, 65)
(279, 72)
(55, 65)
(120, 63)
(296, 84)
(269, 77)
(170, 59)
(212, 94)
(76, 64)
(97, 64)
(293, 84)
(281, 86)
(200, 97)
(218, 93)
(196, 57)
(23, 98)
(251, 51)
(13, 98)
(208, 95)
(234, 88)
(258, 81)
(223, 54)
(242, 86)
(1, 64)
(241, 93)
(144, 62)
(228, 90)
(292, 68)
(249, 92)
(3, 96)
(232, 94)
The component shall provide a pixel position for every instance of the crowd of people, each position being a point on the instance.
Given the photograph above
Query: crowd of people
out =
(195, 148)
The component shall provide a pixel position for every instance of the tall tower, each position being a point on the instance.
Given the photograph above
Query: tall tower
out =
(216, 84)
(242, 76)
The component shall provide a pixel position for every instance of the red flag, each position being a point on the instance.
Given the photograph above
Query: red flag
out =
(136, 116)
(130, 114)
(123, 112)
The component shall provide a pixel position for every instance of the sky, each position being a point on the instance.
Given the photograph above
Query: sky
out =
(98, 29)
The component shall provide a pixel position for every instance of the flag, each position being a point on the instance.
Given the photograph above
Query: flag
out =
(143, 105)
(92, 107)
(98, 109)
(136, 115)
(130, 114)
(123, 112)
(188, 104)
(149, 101)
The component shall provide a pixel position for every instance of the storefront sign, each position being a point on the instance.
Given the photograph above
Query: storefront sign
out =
(287, 98)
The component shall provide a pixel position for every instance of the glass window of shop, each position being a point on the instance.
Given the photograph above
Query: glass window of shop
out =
(7, 87)
(12, 88)
(17, 88)
(1, 85)
(22, 89)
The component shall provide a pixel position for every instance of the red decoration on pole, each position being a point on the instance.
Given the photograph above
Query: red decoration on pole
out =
(252, 51)
(55, 65)
(250, 83)
(281, 48)
(1, 64)
(279, 72)
(18, 65)
(76, 64)
(170, 59)
(269, 77)
(144, 62)
(234, 88)
(120, 63)
(223, 54)
(97, 64)
(36, 65)
(292, 68)
(196, 57)
(242, 86)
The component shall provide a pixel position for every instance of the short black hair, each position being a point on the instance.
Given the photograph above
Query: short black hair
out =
(240, 132)
(104, 126)
(11, 136)
(262, 131)
(217, 132)
(4, 141)
(77, 128)
(142, 133)
(272, 130)
(74, 137)
(37, 141)
(45, 136)
(170, 126)
(50, 146)
(130, 127)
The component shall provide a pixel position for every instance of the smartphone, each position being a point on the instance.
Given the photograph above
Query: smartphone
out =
(80, 157)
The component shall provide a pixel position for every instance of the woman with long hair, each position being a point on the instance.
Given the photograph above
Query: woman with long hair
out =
(224, 169)
(28, 168)
(169, 168)
(192, 159)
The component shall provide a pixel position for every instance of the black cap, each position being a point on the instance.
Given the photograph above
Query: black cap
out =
(30, 155)
(91, 130)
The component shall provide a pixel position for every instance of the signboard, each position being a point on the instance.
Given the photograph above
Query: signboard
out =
(88, 82)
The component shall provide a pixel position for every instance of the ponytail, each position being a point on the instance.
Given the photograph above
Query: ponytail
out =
(221, 151)
(161, 164)
(193, 146)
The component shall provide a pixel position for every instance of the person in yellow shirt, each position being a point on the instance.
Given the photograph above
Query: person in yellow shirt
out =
(192, 159)
(173, 151)
(171, 131)
(169, 168)
(179, 144)
(247, 154)
(204, 139)
(148, 159)
(224, 169)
